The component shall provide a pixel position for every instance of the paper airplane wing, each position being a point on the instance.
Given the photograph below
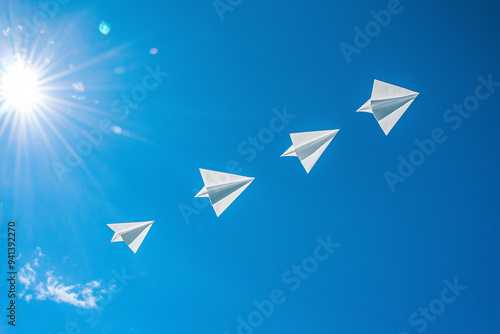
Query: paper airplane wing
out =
(132, 234)
(221, 201)
(383, 90)
(388, 116)
(309, 146)
(135, 237)
(222, 188)
(212, 178)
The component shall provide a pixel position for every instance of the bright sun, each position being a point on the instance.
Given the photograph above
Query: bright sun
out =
(19, 88)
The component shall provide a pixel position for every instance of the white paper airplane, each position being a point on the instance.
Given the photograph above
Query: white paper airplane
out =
(308, 146)
(131, 233)
(388, 103)
(222, 188)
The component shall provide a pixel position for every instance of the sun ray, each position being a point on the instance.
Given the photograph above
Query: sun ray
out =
(107, 55)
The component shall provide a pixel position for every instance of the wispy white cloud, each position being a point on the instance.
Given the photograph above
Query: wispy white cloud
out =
(38, 252)
(80, 295)
(53, 288)
(27, 276)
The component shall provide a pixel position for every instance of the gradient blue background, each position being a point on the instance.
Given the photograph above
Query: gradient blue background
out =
(225, 79)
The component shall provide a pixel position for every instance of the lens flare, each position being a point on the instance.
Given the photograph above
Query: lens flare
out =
(104, 28)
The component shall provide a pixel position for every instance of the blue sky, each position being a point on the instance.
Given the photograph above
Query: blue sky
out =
(397, 249)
